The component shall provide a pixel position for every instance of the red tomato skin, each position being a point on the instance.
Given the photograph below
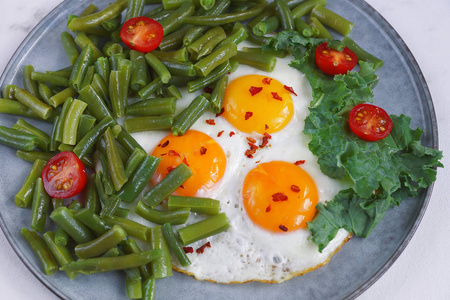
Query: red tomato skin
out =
(333, 62)
(142, 34)
(69, 169)
(366, 120)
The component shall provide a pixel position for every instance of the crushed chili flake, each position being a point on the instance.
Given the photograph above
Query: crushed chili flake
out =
(182, 186)
(202, 248)
(276, 96)
(299, 162)
(220, 133)
(282, 227)
(266, 126)
(255, 90)
(221, 112)
(203, 150)
(248, 115)
(249, 153)
(279, 197)
(170, 169)
(251, 140)
(295, 188)
(165, 144)
(265, 140)
(268, 208)
(208, 90)
(188, 249)
(211, 122)
(290, 89)
(163, 154)
(232, 133)
(185, 161)
(173, 153)
(267, 80)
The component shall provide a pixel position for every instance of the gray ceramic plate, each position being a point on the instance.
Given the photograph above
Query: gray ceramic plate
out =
(402, 89)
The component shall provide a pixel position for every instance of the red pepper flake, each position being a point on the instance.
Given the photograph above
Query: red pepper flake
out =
(279, 197)
(290, 89)
(173, 153)
(248, 115)
(208, 90)
(211, 122)
(255, 90)
(267, 80)
(203, 150)
(295, 188)
(265, 140)
(188, 249)
(268, 208)
(182, 186)
(220, 133)
(251, 140)
(232, 133)
(266, 126)
(165, 144)
(276, 96)
(249, 153)
(221, 112)
(163, 154)
(202, 248)
(170, 169)
(185, 161)
(299, 162)
(282, 227)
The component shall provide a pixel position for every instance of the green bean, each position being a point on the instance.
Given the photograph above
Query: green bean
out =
(113, 24)
(45, 93)
(362, 54)
(180, 55)
(172, 92)
(266, 26)
(179, 68)
(31, 156)
(60, 253)
(174, 217)
(265, 62)
(87, 79)
(332, 20)
(37, 106)
(135, 9)
(29, 84)
(175, 19)
(59, 130)
(132, 228)
(41, 250)
(322, 31)
(152, 107)
(203, 229)
(199, 205)
(17, 139)
(8, 92)
(25, 194)
(72, 122)
(111, 48)
(181, 81)
(133, 161)
(302, 27)
(174, 40)
(103, 68)
(50, 79)
(64, 72)
(101, 88)
(168, 185)
(60, 97)
(99, 187)
(158, 67)
(113, 252)
(92, 221)
(86, 144)
(84, 60)
(103, 243)
(127, 141)
(75, 205)
(76, 230)
(148, 289)
(130, 246)
(82, 40)
(206, 43)
(107, 264)
(106, 179)
(13, 107)
(161, 15)
(284, 15)
(218, 94)
(95, 19)
(89, 10)
(149, 89)
(96, 105)
(118, 103)
(202, 82)
(305, 7)
(133, 288)
(175, 245)
(227, 17)
(258, 40)
(190, 115)
(219, 56)
(91, 202)
(101, 146)
(39, 207)
(43, 138)
(162, 266)
(239, 35)
(53, 145)
(138, 124)
(86, 124)
(140, 76)
(115, 164)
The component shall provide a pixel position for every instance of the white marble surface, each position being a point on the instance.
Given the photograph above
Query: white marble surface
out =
(423, 269)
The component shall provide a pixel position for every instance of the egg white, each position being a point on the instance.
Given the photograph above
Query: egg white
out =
(246, 252)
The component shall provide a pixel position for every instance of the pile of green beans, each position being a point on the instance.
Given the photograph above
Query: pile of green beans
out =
(108, 91)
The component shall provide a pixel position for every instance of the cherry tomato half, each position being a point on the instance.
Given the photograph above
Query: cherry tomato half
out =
(142, 34)
(333, 62)
(64, 176)
(370, 122)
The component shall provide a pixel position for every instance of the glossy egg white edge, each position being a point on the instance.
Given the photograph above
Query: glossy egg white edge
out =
(246, 252)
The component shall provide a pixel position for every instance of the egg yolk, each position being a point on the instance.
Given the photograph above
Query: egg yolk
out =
(256, 103)
(279, 196)
(199, 152)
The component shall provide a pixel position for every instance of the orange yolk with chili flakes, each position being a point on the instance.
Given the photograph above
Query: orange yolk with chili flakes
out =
(279, 196)
(199, 152)
(256, 103)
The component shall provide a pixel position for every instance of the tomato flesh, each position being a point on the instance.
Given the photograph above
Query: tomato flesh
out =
(333, 62)
(142, 34)
(370, 122)
(64, 176)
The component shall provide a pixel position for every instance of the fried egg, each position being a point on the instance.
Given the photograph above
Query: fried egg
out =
(268, 191)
